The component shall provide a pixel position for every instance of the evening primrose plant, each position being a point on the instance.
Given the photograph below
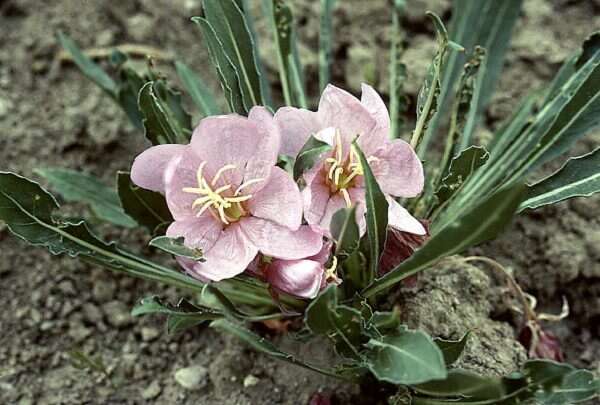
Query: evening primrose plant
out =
(288, 211)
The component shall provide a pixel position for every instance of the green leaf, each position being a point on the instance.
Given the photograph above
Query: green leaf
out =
(309, 155)
(27, 210)
(452, 349)
(160, 119)
(461, 168)
(176, 247)
(345, 232)
(576, 387)
(90, 69)
(81, 187)
(290, 69)
(128, 88)
(579, 177)
(198, 90)
(182, 316)
(428, 97)
(228, 75)
(340, 323)
(325, 42)
(478, 224)
(462, 383)
(377, 214)
(148, 208)
(231, 28)
(489, 24)
(407, 357)
(265, 346)
(397, 70)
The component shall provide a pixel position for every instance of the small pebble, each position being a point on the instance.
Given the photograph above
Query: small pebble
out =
(250, 381)
(191, 377)
(152, 391)
(149, 333)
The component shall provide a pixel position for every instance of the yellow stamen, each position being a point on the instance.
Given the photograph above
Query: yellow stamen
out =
(220, 172)
(330, 272)
(246, 184)
(346, 196)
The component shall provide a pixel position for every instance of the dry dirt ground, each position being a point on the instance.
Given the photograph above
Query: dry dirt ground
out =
(51, 116)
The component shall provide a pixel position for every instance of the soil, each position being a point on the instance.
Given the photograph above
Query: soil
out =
(51, 116)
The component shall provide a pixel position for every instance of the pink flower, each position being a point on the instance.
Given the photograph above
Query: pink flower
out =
(227, 196)
(336, 181)
(302, 278)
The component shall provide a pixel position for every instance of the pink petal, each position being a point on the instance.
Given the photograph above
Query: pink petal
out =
(179, 174)
(398, 169)
(281, 242)
(250, 145)
(400, 218)
(301, 278)
(376, 106)
(188, 267)
(229, 256)
(343, 111)
(198, 233)
(296, 126)
(323, 254)
(279, 200)
(148, 167)
(315, 196)
(335, 203)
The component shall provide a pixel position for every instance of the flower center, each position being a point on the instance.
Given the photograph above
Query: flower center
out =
(221, 202)
(342, 173)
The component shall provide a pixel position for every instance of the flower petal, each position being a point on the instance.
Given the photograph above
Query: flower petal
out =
(296, 126)
(301, 278)
(149, 166)
(279, 200)
(341, 110)
(398, 169)
(198, 233)
(281, 242)
(229, 256)
(376, 106)
(335, 203)
(315, 197)
(179, 174)
(247, 144)
(400, 218)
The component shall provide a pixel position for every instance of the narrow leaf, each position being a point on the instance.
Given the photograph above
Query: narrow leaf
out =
(148, 208)
(176, 247)
(265, 346)
(27, 209)
(397, 70)
(482, 222)
(290, 70)
(325, 42)
(198, 90)
(377, 214)
(90, 69)
(231, 28)
(464, 384)
(84, 188)
(228, 76)
(461, 168)
(159, 121)
(579, 177)
(309, 155)
(345, 232)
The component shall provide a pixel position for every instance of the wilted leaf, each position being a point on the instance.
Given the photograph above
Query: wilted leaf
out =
(81, 187)
(452, 349)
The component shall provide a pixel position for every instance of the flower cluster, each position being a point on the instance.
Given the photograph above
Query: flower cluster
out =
(229, 198)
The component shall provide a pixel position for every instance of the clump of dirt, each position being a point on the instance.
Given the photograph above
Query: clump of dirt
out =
(51, 116)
